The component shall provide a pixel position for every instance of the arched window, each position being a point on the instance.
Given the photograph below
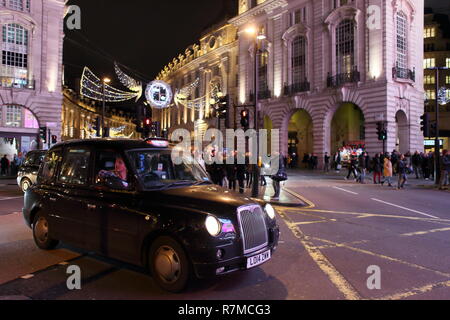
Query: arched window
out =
(402, 43)
(14, 67)
(298, 63)
(345, 47)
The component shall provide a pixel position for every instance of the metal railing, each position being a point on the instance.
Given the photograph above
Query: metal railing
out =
(297, 87)
(9, 82)
(402, 73)
(264, 94)
(343, 78)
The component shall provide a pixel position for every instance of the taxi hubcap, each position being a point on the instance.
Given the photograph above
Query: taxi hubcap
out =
(167, 264)
(41, 230)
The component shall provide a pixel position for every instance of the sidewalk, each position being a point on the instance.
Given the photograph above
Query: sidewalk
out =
(266, 193)
(333, 175)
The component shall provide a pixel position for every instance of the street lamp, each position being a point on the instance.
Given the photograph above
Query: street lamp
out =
(437, 144)
(105, 81)
(257, 36)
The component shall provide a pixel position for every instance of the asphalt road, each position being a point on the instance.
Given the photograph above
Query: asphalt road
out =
(325, 251)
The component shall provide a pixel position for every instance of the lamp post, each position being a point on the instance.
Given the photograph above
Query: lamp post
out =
(104, 82)
(257, 36)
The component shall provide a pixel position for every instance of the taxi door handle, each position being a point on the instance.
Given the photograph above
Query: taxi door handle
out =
(52, 199)
(92, 206)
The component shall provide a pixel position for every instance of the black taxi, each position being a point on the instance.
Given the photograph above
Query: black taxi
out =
(129, 200)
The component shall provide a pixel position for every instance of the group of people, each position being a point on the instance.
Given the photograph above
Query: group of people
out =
(234, 176)
(387, 166)
(11, 167)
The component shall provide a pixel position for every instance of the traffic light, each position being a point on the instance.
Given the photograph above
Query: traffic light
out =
(43, 134)
(98, 126)
(156, 129)
(381, 131)
(147, 127)
(223, 105)
(245, 119)
(425, 125)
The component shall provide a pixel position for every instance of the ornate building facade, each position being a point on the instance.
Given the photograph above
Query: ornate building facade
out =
(79, 119)
(30, 72)
(328, 71)
(197, 77)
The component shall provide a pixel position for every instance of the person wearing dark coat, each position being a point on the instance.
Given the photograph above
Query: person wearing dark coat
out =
(416, 163)
(231, 175)
(352, 167)
(377, 169)
(240, 176)
(279, 177)
(402, 172)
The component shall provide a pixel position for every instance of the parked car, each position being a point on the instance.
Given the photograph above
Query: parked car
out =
(27, 173)
(128, 200)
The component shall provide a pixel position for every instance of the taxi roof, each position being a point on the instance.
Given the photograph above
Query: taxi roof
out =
(125, 144)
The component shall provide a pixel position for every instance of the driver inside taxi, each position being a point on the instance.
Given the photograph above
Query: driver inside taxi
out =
(120, 172)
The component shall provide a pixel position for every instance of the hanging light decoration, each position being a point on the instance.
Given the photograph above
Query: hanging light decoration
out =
(132, 84)
(92, 87)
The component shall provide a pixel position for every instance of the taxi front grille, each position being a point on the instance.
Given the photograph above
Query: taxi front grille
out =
(253, 228)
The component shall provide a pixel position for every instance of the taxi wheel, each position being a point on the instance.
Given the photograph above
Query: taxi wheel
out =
(169, 264)
(25, 185)
(41, 233)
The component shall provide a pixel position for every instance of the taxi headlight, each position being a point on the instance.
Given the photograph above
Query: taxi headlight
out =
(270, 211)
(213, 226)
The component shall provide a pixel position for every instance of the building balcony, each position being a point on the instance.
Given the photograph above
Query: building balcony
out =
(343, 78)
(17, 83)
(402, 73)
(297, 88)
(264, 94)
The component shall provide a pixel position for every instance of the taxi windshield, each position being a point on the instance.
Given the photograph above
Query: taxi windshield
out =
(156, 170)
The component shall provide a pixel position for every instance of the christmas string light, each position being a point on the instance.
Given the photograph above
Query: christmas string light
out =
(129, 82)
(92, 87)
(443, 96)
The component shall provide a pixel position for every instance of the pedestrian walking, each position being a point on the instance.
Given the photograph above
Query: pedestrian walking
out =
(387, 172)
(363, 164)
(4, 165)
(445, 170)
(416, 163)
(326, 162)
(280, 176)
(377, 169)
(240, 176)
(231, 175)
(338, 162)
(402, 172)
(352, 167)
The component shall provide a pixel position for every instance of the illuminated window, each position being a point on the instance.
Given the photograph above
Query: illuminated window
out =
(447, 79)
(298, 60)
(431, 94)
(345, 47)
(430, 32)
(447, 62)
(429, 63)
(402, 43)
(15, 54)
(429, 79)
(14, 116)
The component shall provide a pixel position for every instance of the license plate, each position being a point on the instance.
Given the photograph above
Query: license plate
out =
(257, 260)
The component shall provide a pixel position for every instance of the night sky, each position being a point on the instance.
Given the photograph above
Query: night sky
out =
(142, 35)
